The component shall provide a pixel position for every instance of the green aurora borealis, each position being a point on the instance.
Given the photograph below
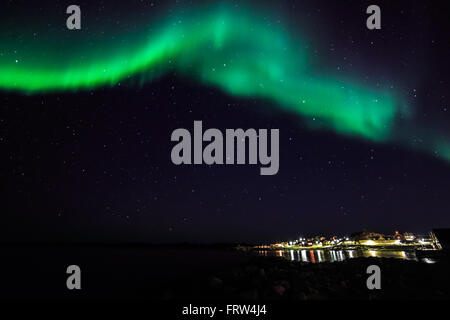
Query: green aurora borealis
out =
(235, 50)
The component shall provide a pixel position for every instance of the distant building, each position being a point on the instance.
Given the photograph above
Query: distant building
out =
(367, 236)
(408, 236)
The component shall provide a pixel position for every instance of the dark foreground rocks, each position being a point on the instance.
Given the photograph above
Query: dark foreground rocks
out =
(270, 278)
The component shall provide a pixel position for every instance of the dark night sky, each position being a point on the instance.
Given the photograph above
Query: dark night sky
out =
(95, 165)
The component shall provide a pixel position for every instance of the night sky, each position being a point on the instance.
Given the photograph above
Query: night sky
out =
(90, 161)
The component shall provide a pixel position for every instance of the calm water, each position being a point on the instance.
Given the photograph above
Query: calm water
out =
(316, 256)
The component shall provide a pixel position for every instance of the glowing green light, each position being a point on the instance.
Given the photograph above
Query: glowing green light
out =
(235, 50)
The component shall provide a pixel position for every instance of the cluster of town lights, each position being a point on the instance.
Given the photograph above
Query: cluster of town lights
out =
(364, 239)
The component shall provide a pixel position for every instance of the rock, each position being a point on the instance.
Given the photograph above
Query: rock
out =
(216, 283)
(302, 296)
(279, 289)
(262, 273)
(285, 284)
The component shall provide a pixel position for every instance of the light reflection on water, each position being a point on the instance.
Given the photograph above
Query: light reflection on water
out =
(316, 256)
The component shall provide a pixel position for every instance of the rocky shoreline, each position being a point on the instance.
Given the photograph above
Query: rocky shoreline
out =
(272, 278)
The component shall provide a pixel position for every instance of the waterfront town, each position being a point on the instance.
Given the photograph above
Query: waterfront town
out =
(396, 240)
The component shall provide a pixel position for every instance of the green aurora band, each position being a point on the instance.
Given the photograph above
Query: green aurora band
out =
(235, 50)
